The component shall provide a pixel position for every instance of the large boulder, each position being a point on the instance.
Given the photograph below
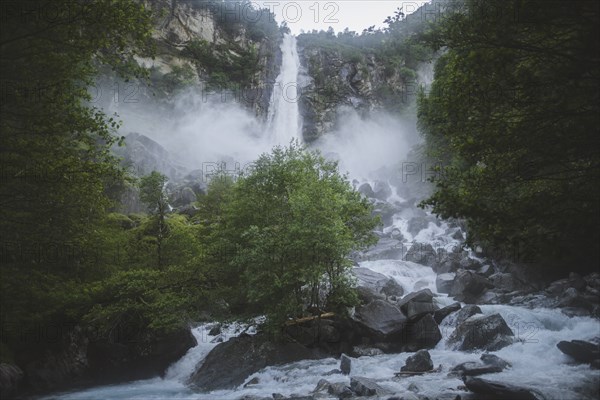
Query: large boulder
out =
(468, 285)
(345, 364)
(461, 315)
(573, 298)
(367, 190)
(490, 364)
(506, 281)
(382, 190)
(366, 387)
(338, 390)
(421, 253)
(391, 288)
(418, 362)
(382, 319)
(442, 313)
(449, 261)
(580, 350)
(416, 304)
(141, 358)
(230, 363)
(424, 333)
(368, 284)
(498, 390)
(482, 332)
(328, 335)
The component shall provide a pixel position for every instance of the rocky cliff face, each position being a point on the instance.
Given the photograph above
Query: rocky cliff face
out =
(336, 80)
(247, 32)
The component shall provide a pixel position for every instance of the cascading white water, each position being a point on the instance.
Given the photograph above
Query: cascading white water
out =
(284, 117)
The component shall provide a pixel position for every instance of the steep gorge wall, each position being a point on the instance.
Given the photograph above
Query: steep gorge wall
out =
(212, 47)
(338, 79)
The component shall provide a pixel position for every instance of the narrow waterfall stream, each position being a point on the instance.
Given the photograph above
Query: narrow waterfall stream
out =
(284, 117)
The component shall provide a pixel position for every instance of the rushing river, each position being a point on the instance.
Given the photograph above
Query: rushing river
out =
(536, 361)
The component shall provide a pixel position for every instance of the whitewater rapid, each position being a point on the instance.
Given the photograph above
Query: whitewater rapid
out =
(536, 361)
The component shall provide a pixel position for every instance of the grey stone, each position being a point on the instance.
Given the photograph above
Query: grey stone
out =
(488, 332)
(366, 387)
(345, 364)
(418, 362)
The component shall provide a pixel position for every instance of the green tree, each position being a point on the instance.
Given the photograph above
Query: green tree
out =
(513, 116)
(154, 194)
(54, 150)
(289, 226)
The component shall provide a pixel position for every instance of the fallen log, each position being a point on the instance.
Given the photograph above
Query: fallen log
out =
(306, 319)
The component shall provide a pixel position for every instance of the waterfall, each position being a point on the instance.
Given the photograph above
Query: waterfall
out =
(284, 118)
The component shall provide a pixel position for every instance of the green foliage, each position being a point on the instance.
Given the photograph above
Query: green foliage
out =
(227, 64)
(55, 153)
(513, 116)
(287, 230)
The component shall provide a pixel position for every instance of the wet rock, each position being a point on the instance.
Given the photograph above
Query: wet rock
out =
(382, 190)
(442, 313)
(11, 378)
(458, 235)
(573, 298)
(369, 284)
(360, 351)
(230, 363)
(498, 390)
(418, 362)
(491, 297)
(490, 364)
(580, 350)
(215, 330)
(464, 313)
(560, 286)
(471, 368)
(444, 282)
(416, 309)
(387, 212)
(425, 333)
(253, 381)
(449, 261)
(492, 359)
(339, 390)
(392, 288)
(486, 270)
(367, 190)
(489, 332)
(345, 364)
(469, 263)
(506, 281)
(421, 253)
(468, 285)
(381, 318)
(366, 387)
(416, 304)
